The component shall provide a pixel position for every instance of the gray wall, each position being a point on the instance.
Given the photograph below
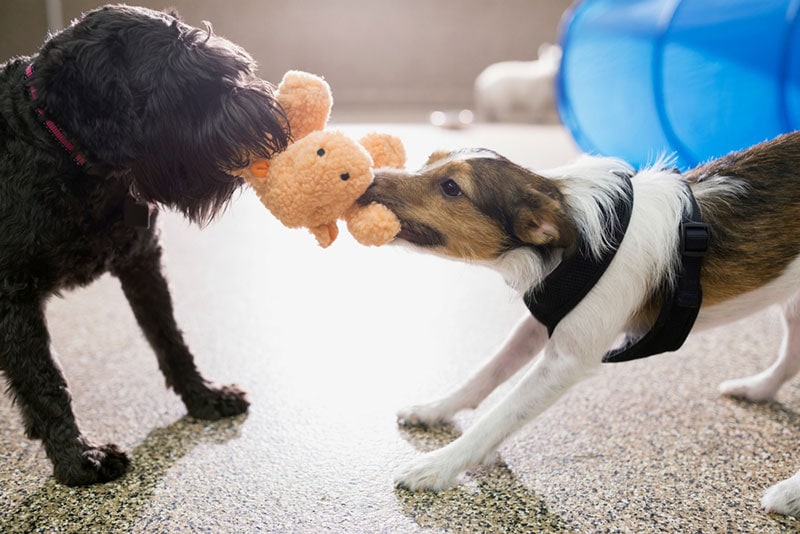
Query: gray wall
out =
(371, 51)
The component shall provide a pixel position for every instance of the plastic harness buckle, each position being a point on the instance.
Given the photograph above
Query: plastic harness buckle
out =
(695, 239)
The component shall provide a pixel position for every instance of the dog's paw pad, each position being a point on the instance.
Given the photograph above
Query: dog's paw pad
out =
(784, 497)
(751, 388)
(409, 417)
(491, 459)
(96, 464)
(218, 402)
(422, 416)
(426, 473)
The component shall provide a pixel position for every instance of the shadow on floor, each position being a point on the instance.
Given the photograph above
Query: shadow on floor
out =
(775, 410)
(117, 506)
(491, 499)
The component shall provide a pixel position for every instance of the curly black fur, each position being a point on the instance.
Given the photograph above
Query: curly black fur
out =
(159, 108)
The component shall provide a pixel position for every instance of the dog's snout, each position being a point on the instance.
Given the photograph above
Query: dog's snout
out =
(369, 195)
(377, 190)
(345, 176)
(379, 182)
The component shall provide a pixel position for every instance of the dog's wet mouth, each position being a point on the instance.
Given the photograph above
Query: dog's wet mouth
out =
(419, 234)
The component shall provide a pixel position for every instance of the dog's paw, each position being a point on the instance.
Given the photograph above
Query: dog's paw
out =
(217, 402)
(783, 497)
(433, 471)
(757, 388)
(95, 464)
(425, 415)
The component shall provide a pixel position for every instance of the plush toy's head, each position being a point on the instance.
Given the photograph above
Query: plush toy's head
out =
(316, 179)
(319, 176)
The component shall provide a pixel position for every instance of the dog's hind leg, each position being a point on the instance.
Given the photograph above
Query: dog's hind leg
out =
(525, 342)
(40, 390)
(784, 497)
(764, 385)
(147, 292)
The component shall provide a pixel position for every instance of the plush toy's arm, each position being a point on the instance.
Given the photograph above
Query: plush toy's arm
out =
(386, 150)
(372, 225)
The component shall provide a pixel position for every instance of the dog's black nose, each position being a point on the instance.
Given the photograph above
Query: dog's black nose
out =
(345, 176)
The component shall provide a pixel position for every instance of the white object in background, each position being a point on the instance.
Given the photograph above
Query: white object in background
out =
(452, 119)
(520, 91)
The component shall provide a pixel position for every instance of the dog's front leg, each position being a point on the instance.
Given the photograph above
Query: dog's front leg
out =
(40, 390)
(525, 342)
(147, 292)
(549, 377)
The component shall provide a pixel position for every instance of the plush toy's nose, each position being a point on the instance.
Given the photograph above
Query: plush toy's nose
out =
(345, 176)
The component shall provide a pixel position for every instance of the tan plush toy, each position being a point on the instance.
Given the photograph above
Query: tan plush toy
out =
(319, 176)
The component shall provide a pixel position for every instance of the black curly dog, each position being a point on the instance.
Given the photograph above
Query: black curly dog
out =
(125, 110)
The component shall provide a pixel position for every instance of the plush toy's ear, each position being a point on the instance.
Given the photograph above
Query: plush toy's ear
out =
(386, 150)
(436, 156)
(260, 168)
(307, 100)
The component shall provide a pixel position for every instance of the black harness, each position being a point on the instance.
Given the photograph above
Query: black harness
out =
(575, 276)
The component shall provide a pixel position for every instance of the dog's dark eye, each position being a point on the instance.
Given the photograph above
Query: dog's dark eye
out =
(321, 152)
(450, 188)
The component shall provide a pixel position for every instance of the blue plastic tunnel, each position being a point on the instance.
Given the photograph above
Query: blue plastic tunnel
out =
(697, 78)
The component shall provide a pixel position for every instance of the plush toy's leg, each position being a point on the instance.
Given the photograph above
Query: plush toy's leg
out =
(325, 234)
(372, 225)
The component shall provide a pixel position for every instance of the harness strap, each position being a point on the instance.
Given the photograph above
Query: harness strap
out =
(679, 312)
(576, 275)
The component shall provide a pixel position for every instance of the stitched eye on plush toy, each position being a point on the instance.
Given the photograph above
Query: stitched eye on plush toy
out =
(321, 152)
(450, 188)
(345, 176)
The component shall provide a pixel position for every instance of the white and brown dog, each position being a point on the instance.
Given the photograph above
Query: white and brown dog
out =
(477, 206)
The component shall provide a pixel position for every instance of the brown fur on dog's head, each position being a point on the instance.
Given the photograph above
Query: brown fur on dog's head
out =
(474, 205)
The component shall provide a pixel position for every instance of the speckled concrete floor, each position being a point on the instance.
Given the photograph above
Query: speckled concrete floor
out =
(331, 343)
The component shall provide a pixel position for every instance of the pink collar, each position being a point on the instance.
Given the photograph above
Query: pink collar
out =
(55, 131)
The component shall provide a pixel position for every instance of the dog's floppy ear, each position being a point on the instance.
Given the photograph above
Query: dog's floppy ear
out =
(534, 230)
(541, 222)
